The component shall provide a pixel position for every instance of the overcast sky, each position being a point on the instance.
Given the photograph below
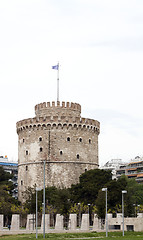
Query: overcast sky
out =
(99, 45)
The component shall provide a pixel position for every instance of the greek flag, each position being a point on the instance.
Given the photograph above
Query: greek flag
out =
(56, 67)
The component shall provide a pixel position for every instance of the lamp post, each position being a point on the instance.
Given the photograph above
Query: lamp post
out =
(138, 209)
(44, 202)
(105, 190)
(79, 215)
(135, 208)
(123, 192)
(37, 189)
(88, 207)
(88, 212)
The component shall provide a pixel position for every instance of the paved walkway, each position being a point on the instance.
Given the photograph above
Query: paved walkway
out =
(24, 231)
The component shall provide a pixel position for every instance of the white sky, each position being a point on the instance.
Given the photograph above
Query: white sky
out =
(99, 44)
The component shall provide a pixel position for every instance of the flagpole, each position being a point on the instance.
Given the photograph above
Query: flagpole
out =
(58, 83)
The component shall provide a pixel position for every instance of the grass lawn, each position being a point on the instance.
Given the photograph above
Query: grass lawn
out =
(78, 236)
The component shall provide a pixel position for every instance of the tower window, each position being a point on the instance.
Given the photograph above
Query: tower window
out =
(89, 141)
(40, 139)
(80, 139)
(41, 149)
(77, 156)
(21, 182)
(68, 139)
(85, 170)
(23, 140)
(61, 152)
(26, 168)
(26, 152)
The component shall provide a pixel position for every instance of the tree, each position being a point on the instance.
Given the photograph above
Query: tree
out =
(8, 204)
(5, 178)
(30, 203)
(89, 191)
(134, 197)
(114, 196)
(57, 200)
(90, 183)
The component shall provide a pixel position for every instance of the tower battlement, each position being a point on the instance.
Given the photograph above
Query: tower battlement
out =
(57, 108)
(58, 122)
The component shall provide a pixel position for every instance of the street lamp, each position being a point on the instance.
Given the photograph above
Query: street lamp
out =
(79, 215)
(135, 208)
(88, 207)
(138, 209)
(105, 190)
(88, 212)
(44, 202)
(123, 192)
(37, 189)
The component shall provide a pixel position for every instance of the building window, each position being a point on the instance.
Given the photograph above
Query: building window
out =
(77, 156)
(23, 140)
(41, 149)
(40, 139)
(85, 170)
(21, 182)
(61, 152)
(26, 168)
(68, 139)
(26, 152)
(89, 141)
(80, 139)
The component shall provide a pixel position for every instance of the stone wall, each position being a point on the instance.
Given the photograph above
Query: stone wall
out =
(135, 224)
(67, 142)
(1, 222)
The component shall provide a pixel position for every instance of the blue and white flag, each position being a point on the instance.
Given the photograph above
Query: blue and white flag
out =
(56, 67)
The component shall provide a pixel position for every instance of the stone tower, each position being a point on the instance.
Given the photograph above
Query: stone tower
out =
(59, 135)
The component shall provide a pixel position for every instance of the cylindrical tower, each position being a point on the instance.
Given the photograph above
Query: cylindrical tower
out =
(58, 135)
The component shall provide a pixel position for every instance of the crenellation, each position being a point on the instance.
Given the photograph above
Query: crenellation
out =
(68, 105)
(72, 105)
(29, 123)
(59, 118)
(48, 104)
(48, 118)
(63, 104)
(44, 105)
(53, 104)
(58, 103)
(31, 120)
(40, 106)
(37, 119)
(46, 109)
(79, 107)
(82, 120)
(55, 118)
(36, 107)
(84, 126)
(76, 106)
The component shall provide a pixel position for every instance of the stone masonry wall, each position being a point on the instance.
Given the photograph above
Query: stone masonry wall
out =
(67, 142)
